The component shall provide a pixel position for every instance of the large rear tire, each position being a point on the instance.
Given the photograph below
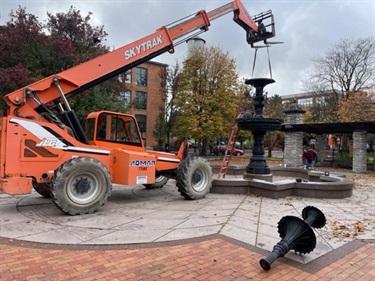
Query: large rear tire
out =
(160, 181)
(194, 178)
(43, 189)
(81, 186)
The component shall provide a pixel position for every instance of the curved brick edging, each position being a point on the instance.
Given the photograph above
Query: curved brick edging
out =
(313, 184)
(99, 257)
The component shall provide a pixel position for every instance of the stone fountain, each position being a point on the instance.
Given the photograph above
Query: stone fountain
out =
(257, 177)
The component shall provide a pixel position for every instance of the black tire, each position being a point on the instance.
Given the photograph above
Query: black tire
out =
(81, 186)
(43, 189)
(160, 181)
(194, 178)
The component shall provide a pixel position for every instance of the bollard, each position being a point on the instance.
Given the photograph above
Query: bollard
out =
(296, 234)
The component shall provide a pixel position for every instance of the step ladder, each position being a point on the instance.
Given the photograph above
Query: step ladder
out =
(232, 140)
(230, 146)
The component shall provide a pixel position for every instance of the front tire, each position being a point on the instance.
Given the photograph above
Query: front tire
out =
(194, 178)
(81, 186)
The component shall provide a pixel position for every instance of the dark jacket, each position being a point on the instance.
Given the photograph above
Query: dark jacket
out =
(309, 155)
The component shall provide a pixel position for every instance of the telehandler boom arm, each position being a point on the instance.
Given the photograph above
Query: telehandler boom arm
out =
(32, 100)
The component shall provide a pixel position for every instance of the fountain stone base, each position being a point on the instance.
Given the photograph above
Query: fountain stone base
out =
(264, 177)
(298, 182)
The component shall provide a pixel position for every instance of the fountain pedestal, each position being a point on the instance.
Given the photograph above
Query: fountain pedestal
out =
(259, 126)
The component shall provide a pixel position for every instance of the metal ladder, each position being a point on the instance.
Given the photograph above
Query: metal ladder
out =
(230, 146)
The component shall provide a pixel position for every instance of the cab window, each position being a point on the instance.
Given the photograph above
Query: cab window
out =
(90, 128)
(118, 128)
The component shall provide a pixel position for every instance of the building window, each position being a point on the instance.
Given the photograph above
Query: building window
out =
(125, 77)
(125, 97)
(320, 101)
(140, 100)
(141, 76)
(142, 121)
(307, 102)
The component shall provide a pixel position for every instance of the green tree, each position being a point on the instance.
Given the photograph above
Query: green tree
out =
(245, 104)
(273, 108)
(321, 110)
(101, 97)
(165, 123)
(208, 95)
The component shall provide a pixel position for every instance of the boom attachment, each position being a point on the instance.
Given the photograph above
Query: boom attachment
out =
(266, 29)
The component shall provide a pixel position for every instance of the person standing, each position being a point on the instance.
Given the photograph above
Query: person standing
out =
(309, 157)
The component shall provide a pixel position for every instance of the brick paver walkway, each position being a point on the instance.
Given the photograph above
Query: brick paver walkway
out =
(208, 258)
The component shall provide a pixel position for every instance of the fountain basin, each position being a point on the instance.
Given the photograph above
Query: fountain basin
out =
(313, 184)
(258, 124)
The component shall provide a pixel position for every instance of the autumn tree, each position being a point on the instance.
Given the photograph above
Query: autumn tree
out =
(26, 43)
(347, 68)
(26, 53)
(32, 50)
(207, 96)
(357, 108)
(76, 30)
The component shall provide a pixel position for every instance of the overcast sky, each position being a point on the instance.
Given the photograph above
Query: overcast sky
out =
(308, 28)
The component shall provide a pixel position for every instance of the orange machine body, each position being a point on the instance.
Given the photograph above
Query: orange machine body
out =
(35, 149)
(40, 131)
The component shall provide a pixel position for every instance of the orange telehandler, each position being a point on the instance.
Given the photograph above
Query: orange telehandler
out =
(43, 146)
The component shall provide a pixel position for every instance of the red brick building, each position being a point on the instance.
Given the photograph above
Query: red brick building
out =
(143, 95)
(307, 99)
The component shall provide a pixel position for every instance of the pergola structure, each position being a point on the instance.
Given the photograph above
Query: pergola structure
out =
(330, 128)
(294, 129)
